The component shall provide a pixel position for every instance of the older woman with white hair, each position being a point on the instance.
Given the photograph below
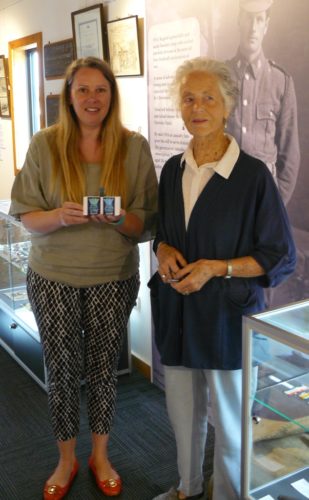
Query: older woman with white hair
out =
(223, 236)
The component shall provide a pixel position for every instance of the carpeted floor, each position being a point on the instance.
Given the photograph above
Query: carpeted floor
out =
(142, 445)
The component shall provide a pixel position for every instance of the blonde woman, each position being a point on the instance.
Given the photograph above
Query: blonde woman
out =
(83, 270)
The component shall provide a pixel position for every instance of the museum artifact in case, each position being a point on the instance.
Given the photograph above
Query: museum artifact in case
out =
(18, 330)
(275, 426)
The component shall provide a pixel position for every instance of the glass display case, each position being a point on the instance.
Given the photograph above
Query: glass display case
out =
(275, 445)
(18, 330)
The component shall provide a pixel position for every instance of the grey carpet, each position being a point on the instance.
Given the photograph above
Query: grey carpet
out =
(142, 446)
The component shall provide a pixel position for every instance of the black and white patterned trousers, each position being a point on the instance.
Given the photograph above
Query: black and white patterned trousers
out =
(81, 331)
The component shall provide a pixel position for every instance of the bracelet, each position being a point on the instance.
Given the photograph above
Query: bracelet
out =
(229, 271)
(62, 221)
(118, 222)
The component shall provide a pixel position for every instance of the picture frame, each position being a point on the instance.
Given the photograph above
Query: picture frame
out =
(57, 57)
(52, 108)
(88, 33)
(5, 109)
(123, 44)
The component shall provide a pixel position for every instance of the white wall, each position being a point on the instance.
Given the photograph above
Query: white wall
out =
(25, 17)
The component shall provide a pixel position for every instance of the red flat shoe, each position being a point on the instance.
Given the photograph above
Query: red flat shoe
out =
(55, 492)
(110, 487)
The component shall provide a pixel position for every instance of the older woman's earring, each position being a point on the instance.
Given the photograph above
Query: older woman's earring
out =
(224, 122)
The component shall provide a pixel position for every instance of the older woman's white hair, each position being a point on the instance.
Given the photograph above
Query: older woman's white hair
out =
(226, 83)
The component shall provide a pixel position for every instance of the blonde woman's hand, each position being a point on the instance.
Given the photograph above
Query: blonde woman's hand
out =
(110, 219)
(71, 214)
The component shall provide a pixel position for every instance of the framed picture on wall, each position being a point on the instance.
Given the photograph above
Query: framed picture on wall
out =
(88, 34)
(57, 57)
(4, 89)
(52, 108)
(123, 46)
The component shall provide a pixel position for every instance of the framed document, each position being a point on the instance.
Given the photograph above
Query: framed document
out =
(88, 36)
(52, 108)
(4, 89)
(123, 46)
(57, 56)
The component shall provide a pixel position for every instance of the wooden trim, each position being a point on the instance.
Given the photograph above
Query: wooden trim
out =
(141, 366)
(26, 41)
(41, 73)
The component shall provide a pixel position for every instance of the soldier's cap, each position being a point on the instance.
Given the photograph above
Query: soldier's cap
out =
(255, 5)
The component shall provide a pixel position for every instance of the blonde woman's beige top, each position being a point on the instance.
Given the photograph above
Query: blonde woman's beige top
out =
(88, 254)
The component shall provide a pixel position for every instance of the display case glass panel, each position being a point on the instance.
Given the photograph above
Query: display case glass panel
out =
(275, 451)
(14, 252)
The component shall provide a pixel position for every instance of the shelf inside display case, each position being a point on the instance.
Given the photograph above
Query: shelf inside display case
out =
(17, 296)
(295, 487)
(17, 254)
(17, 300)
(276, 403)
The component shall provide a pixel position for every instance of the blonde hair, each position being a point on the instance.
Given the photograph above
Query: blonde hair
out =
(219, 69)
(64, 143)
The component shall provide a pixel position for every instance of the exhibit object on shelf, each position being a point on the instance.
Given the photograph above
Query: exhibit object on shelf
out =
(275, 443)
(123, 46)
(88, 34)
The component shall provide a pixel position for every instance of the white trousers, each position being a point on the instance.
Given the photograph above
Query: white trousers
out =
(187, 394)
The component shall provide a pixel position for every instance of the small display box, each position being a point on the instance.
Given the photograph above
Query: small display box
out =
(107, 205)
(275, 445)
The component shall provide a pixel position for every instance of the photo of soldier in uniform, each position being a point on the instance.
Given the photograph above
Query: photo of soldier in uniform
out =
(264, 121)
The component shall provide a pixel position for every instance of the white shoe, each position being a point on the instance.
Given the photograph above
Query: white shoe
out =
(172, 494)
(169, 495)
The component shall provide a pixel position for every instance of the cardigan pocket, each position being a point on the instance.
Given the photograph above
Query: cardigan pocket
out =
(240, 294)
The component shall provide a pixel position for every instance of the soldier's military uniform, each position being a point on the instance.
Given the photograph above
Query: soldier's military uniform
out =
(264, 121)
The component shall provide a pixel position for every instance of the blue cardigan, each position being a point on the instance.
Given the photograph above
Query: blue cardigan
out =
(235, 217)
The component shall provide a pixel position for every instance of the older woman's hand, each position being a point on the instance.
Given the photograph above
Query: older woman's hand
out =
(194, 276)
(170, 261)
